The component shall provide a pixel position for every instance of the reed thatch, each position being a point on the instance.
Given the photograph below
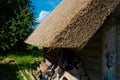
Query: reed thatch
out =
(72, 23)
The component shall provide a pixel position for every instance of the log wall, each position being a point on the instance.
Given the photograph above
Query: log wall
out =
(91, 55)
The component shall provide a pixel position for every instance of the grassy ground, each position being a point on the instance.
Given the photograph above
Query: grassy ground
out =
(24, 60)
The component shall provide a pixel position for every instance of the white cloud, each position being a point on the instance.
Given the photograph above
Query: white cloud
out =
(42, 16)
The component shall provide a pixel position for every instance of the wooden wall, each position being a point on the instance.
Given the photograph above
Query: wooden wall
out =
(91, 55)
(94, 53)
(109, 53)
(118, 51)
(111, 42)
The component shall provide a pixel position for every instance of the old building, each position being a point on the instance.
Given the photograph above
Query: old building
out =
(91, 29)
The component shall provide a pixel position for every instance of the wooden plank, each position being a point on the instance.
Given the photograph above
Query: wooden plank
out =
(109, 53)
(94, 67)
(93, 61)
(93, 45)
(90, 54)
(94, 75)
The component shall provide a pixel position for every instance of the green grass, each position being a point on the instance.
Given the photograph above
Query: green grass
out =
(19, 76)
(26, 75)
(23, 60)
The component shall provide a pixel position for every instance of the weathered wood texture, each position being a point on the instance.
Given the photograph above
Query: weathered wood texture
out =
(109, 53)
(112, 29)
(91, 55)
(118, 50)
(52, 54)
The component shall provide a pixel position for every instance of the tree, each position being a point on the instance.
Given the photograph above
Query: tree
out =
(16, 17)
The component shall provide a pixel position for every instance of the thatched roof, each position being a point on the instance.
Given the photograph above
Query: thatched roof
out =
(72, 23)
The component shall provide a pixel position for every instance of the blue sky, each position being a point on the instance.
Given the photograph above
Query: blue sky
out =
(43, 8)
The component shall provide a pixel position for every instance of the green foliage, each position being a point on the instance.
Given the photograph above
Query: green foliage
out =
(15, 19)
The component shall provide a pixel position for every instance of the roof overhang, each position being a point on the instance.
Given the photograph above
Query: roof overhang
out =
(72, 23)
